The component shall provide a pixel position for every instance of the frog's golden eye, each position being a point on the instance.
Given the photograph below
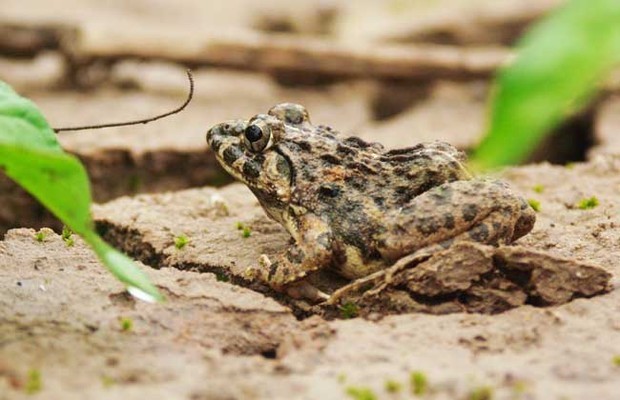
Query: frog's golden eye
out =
(256, 138)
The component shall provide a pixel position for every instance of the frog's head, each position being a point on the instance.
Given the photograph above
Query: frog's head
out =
(251, 152)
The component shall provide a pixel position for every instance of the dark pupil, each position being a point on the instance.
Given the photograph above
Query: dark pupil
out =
(253, 133)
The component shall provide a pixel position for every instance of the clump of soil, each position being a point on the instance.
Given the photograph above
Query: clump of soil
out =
(470, 277)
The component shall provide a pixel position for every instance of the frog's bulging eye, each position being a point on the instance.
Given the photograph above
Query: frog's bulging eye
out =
(253, 133)
(256, 138)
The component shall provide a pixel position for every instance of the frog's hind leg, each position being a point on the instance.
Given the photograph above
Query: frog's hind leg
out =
(470, 210)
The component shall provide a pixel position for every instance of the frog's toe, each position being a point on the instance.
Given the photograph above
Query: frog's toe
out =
(257, 272)
(306, 291)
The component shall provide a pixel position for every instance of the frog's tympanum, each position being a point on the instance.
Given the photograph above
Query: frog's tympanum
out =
(353, 206)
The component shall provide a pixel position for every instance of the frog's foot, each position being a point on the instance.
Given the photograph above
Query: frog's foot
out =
(258, 272)
(306, 291)
(357, 288)
(297, 290)
(377, 282)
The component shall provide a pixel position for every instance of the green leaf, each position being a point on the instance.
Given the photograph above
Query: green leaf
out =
(559, 64)
(22, 124)
(31, 155)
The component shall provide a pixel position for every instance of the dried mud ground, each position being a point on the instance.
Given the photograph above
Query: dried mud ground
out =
(65, 317)
(69, 330)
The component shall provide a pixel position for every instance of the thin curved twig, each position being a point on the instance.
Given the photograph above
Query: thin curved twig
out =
(140, 121)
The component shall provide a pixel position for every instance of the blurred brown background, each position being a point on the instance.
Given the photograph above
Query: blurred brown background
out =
(398, 72)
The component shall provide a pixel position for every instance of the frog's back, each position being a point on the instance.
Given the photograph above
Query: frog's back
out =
(350, 170)
(353, 184)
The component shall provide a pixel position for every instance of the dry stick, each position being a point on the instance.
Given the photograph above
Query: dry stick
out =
(140, 121)
(288, 54)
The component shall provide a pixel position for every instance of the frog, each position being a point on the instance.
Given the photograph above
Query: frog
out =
(353, 206)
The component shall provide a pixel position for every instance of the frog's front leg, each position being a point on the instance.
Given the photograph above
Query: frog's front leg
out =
(313, 250)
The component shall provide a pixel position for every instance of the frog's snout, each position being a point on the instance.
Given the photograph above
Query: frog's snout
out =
(215, 136)
(222, 134)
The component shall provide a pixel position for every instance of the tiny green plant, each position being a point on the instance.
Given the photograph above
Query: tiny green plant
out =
(222, 276)
(481, 393)
(587, 204)
(419, 383)
(349, 310)
(107, 381)
(342, 377)
(40, 236)
(535, 204)
(31, 155)
(134, 183)
(538, 188)
(34, 382)
(126, 324)
(519, 388)
(392, 386)
(180, 241)
(67, 236)
(361, 393)
(246, 232)
(615, 360)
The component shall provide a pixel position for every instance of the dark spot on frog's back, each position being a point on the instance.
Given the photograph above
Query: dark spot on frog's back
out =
(360, 143)
(304, 145)
(357, 166)
(356, 182)
(324, 128)
(402, 170)
(448, 221)
(442, 195)
(232, 154)
(307, 174)
(428, 225)
(329, 190)
(403, 194)
(345, 150)
(479, 233)
(330, 159)
(405, 150)
(469, 212)
(325, 131)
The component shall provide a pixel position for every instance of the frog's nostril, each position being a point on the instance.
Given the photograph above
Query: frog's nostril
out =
(214, 135)
(215, 144)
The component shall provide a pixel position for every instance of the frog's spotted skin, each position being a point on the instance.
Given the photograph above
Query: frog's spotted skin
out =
(353, 206)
